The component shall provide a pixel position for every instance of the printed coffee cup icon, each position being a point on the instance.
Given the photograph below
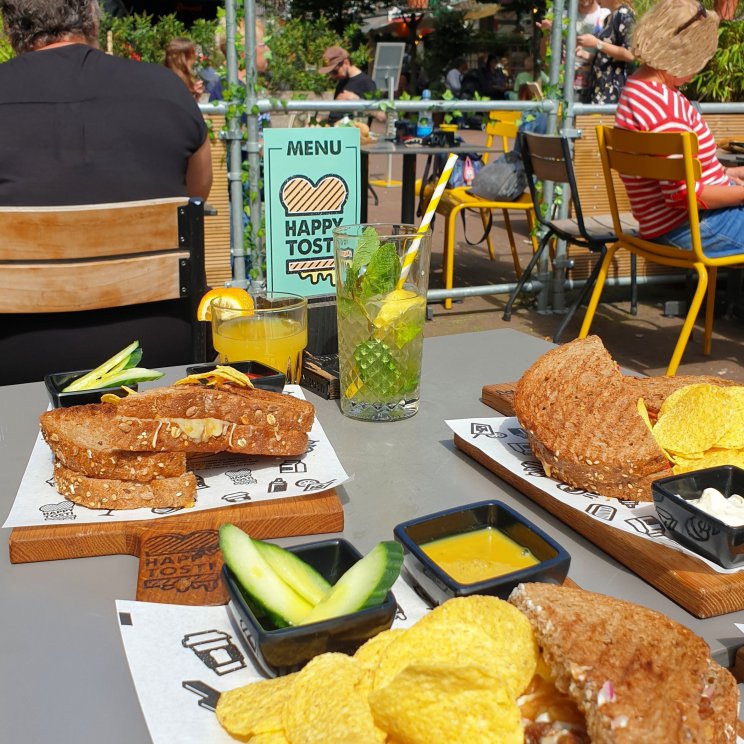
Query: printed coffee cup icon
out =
(216, 650)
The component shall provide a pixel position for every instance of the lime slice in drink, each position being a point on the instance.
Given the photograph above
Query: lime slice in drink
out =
(394, 305)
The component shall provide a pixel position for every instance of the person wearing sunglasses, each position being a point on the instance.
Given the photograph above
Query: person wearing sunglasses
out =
(351, 83)
(673, 41)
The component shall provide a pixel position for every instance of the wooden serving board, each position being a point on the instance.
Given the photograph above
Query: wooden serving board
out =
(688, 581)
(179, 556)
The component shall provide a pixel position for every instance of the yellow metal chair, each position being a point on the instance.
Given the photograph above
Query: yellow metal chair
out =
(501, 125)
(661, 156)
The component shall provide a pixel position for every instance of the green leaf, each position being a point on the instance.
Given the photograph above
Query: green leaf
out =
(382, 272)
(365, 248)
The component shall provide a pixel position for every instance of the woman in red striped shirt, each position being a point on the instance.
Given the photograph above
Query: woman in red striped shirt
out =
(674, 40)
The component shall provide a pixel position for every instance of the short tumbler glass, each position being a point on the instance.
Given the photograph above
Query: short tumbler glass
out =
(382, 276)
(273, 332)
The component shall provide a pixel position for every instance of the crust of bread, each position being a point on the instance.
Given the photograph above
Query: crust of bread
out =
(233, 403)
(580, 414)
(106, 493)
(637, 676)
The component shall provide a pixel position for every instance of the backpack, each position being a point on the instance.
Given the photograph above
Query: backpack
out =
(503, 179)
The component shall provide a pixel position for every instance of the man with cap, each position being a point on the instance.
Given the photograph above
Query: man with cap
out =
(351, 83)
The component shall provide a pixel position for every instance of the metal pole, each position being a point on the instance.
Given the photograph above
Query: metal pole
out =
(233, 137)
(556, 46)
(560, 262)
(253, 145)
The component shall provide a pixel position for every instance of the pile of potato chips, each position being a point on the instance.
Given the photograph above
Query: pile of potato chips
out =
(454, 676)
(702, 426)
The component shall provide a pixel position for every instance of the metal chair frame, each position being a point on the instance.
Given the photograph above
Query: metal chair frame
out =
(548, 158)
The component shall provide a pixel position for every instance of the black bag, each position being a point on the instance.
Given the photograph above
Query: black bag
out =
(503, 179)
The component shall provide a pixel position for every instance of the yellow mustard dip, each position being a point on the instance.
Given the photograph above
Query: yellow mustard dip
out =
(478, 555)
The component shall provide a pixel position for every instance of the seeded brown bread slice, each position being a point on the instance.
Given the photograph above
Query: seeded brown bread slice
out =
(83, 443)
(638, 677)
(239, 405)
(101, 423)
(583, 424)
(110, 493)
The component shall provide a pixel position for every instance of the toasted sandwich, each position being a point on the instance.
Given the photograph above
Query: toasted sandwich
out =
(636, 676)
(131, 452)
(581, 418)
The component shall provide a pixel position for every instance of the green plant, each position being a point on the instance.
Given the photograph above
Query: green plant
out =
(297, 47)
(142, 37)
(722, 80)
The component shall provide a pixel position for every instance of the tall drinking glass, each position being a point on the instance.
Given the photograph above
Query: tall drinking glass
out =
(273, 332)
(382, 275)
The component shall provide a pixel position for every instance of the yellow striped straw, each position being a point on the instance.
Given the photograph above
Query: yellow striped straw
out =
(410, 255)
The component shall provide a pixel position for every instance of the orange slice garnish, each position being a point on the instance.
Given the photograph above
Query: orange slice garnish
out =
(229, 296)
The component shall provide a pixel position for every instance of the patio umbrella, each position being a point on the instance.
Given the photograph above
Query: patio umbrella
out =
(473, 11)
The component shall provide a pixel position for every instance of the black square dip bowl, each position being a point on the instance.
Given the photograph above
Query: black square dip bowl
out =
(280, 651)
(266, 378)
(57, 381)
(439, 586)
(691, 526)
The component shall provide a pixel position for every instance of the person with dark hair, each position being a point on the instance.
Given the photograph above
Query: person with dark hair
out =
(494, 78)
(180, 56)
(351, 82)
(78, 126)
(453, 79)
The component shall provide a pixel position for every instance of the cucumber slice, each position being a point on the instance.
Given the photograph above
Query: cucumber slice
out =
(365, 584)
(90, 380)
(302, 577)
(270, 594)
(128, 376)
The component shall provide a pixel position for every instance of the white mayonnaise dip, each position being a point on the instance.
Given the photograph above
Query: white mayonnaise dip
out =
(729, 510)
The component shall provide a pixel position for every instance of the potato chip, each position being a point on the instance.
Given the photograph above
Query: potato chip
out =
(325, 706)
(369, 655)
(710, 459)
(692, 419)
(430, 702)
(255, 708)
(509, 630)
(449, 644)
(734, 436)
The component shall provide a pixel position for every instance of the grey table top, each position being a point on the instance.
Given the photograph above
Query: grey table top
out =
(64, 674)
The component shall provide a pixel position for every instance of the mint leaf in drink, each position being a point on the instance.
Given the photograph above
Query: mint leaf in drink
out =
(383, 271)
(365, 248)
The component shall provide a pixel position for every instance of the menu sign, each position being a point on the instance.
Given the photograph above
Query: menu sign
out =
(311, 186)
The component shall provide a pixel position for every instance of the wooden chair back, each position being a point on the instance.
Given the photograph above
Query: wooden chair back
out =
(75, 265)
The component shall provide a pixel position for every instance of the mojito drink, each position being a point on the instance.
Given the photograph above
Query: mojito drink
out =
(381, 313)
